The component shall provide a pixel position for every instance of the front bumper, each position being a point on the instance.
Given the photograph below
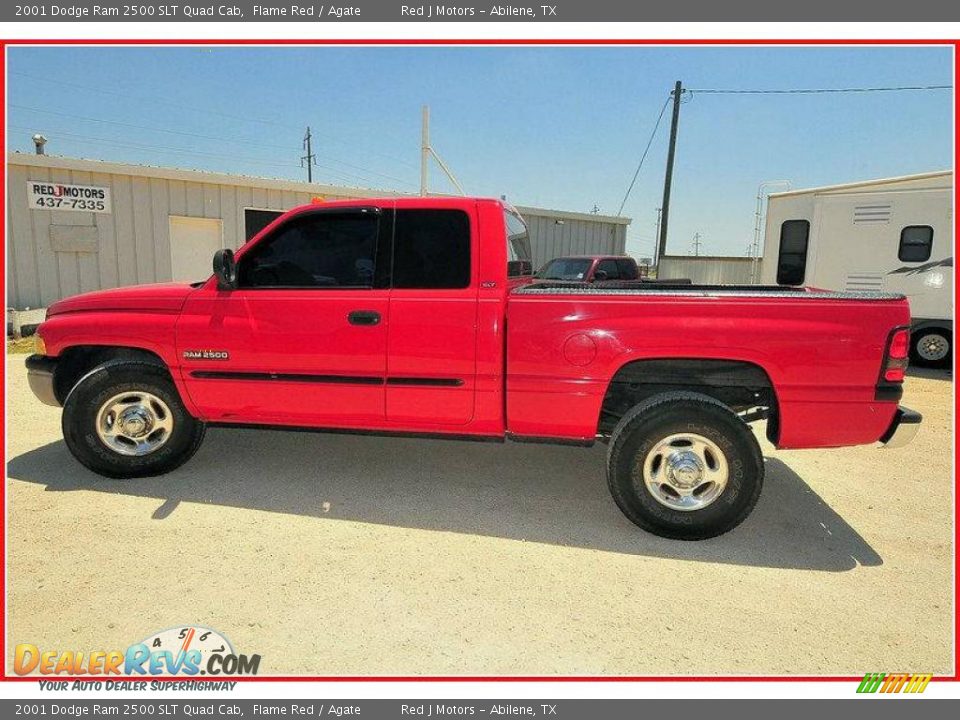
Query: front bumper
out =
(906, 423)
(40, 369)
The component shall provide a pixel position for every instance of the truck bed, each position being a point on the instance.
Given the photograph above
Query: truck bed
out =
(821, 350)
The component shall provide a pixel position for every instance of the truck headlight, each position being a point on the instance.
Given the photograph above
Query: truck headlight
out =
(39, 346)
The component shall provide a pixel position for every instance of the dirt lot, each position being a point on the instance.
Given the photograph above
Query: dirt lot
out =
(337, 555)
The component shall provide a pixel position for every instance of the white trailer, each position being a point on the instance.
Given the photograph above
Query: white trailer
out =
(890, 235)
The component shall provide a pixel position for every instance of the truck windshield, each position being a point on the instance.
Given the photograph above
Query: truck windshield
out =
(565, 269)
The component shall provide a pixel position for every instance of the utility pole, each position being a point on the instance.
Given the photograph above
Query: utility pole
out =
(668, 178)
(309, 157)
(696, 244)
(424, 148)
(656, 240)
(427, 151)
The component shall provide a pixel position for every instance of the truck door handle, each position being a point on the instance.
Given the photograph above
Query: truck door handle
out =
(364, 317)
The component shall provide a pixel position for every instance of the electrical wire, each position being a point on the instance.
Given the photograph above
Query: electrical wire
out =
(645, 151)
(159, 100)
(216, 138)
(817, 91)
(98, 141)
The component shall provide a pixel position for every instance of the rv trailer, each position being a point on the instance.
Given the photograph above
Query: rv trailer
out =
(890, 235)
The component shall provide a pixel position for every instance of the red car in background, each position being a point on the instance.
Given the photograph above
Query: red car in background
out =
(590, 268)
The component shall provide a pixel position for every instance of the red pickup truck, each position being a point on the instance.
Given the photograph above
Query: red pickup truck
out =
(421, 316)
(590, 269)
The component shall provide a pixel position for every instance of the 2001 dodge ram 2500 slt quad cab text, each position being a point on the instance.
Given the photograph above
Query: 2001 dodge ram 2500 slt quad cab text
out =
(420, 316)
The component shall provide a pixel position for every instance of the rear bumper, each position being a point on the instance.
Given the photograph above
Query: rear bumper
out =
(40, 369)
(906, 423)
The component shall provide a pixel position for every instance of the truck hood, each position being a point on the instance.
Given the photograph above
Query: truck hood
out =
(160, 298)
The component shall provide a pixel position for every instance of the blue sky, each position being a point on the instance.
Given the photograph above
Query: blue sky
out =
(554, 127)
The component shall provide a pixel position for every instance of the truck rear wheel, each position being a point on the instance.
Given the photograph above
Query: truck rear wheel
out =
(682, 465)
(932, 347)
(126, 420)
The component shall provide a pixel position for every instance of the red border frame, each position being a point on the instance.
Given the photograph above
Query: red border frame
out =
(507, 42)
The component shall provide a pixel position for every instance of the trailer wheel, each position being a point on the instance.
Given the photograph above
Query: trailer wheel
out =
(932, 347)
(126, 420)
(682, 465)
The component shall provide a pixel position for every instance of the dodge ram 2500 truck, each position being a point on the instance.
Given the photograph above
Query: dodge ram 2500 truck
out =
(420, 316)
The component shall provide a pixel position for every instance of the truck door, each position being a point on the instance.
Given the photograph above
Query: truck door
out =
(432, 331)
(303, 338)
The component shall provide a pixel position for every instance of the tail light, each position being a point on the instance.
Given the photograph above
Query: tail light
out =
(896, 358)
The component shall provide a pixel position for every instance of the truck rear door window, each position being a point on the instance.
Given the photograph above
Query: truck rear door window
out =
(315, 250)
(916, 243)
(792, 264)
(431, 249)
(628, 270)
(609, 269)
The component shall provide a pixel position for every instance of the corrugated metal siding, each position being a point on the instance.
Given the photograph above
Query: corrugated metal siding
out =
(706, 270)
(133, 242)
(550, 239)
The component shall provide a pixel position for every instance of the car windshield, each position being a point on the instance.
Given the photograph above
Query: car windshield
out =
(565, 269)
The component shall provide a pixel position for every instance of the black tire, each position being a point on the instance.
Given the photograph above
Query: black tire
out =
(79, 421)
(637, 435)
(926, 335)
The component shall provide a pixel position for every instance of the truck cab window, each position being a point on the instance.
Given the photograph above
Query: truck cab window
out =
(609, 269)
(792, 263)
(316, 250)
(565, 269)
(519, 256)
(431, 249)
(916, 243)
(628, 269)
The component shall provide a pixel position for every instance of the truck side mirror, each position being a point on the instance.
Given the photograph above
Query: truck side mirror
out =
(225, 269)
(600, 275)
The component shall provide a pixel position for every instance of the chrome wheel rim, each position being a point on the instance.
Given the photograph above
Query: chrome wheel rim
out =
(933, 347)
(134, 423)
(686, 472)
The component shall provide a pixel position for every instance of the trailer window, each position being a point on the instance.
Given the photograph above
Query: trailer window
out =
(916, 243)
(792, 264)
(431, 249)
(519, 257)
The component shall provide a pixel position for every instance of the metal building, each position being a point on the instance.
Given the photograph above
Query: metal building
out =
(79, 225)
(706, 270)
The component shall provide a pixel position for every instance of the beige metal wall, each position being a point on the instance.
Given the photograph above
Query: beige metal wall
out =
(553, 235)
(132, 242)
(53, 254)
(706, 270)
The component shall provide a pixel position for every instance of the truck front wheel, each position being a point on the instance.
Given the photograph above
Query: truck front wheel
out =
(682, 465)
(125, 420)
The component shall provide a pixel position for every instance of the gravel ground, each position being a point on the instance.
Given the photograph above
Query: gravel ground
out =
(333, 555)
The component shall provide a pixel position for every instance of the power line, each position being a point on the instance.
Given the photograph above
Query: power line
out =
(218, 138)
(159, 100)
(88, 140)
(644, 156)
(818, 91)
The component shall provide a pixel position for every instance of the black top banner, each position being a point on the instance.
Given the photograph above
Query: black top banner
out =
(414, 11)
